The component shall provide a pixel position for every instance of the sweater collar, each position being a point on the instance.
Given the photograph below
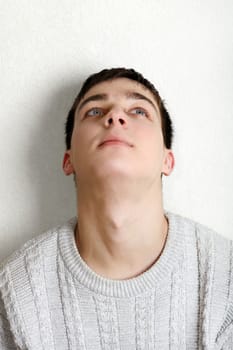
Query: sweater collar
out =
(141, 284)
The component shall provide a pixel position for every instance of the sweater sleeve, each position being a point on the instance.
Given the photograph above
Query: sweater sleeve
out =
(228, 345)
(6, 336)
(10, 319)
(225, 337)
(225, 342)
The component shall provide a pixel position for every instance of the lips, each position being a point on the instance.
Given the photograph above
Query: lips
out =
(115, 141)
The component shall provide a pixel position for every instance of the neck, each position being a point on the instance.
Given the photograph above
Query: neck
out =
(120, 236)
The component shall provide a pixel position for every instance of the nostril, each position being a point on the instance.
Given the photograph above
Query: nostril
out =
(121, 121)
(111, 120)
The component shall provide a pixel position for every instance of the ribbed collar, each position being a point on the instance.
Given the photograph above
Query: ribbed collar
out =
(141, 284)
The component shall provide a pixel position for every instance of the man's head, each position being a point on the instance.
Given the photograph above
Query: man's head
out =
(118, 104)
(114, 73)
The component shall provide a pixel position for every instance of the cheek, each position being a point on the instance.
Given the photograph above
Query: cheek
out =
(151, 147)
(82, 142)
(77, 145)
(79, 136)
(150, 136)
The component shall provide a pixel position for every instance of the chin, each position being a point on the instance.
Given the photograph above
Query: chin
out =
(114, 170)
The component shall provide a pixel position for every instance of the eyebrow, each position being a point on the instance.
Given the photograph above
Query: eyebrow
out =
(98, 97)
(129, 95)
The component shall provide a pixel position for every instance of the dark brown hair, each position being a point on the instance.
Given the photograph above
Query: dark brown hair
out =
(114, 73)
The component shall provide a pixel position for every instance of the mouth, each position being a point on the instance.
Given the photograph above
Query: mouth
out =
(115, 142)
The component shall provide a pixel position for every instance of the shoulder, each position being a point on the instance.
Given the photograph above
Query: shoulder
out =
(213, 251)
(214, 257)
(32, 255)
(33, 245)
(23, 282)
(203, 234)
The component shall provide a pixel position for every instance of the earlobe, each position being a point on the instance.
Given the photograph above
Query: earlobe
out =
(67, 165)
(169, 163)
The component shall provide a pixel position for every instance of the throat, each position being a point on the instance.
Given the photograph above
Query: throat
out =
(124, 254)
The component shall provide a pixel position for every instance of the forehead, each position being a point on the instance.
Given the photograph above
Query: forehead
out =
(119, 87)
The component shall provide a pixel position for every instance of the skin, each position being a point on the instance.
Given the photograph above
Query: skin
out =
(121, 227)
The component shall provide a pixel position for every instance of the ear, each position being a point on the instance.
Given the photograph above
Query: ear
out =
(67, 164)
(168, 162)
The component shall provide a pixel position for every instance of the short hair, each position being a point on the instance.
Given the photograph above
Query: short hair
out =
(111, 74)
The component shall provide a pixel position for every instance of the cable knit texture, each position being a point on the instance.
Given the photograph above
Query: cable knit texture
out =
(50, 299)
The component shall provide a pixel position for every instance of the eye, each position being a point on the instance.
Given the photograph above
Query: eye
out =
(139, 111)
(94, 112)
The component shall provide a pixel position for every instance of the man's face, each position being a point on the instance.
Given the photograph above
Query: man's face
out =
(117, 133)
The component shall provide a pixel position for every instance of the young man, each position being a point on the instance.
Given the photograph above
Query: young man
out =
(124, 274)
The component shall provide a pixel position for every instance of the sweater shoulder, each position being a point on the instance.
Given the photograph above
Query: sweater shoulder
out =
(23, 286)
(202, 232)
(32, 245)
(212, 243)
(32, 253)
(214, 256)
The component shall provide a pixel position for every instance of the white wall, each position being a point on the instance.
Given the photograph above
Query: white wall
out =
(48, 47)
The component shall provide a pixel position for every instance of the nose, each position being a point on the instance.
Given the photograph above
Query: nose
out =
(115, 118)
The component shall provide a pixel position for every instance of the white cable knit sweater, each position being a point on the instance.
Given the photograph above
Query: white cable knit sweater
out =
(50, 299)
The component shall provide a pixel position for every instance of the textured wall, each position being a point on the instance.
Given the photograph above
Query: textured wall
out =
(48, 47)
